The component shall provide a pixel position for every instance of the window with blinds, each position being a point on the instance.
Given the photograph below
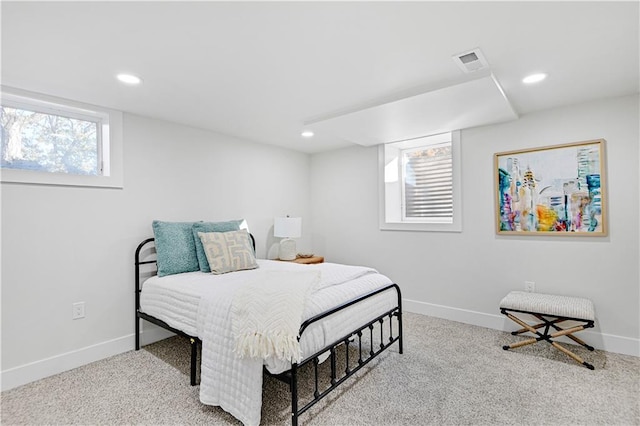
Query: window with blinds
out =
(420, 184)
(428, 182)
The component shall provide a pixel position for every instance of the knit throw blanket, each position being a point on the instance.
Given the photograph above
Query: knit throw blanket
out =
(266, 314)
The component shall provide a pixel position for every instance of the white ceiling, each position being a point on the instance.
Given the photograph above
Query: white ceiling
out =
(261, 70)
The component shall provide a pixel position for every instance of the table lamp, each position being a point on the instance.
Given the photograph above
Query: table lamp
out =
(287, 228)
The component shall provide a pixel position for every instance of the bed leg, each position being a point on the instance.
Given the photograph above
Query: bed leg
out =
(400, 331)
(399, 315)
(194, 360)
(294, 394)
(137, 332)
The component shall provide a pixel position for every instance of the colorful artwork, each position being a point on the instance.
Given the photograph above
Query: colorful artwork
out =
(555, 190)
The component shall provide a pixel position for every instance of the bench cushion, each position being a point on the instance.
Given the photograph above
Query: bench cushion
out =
(549, 304)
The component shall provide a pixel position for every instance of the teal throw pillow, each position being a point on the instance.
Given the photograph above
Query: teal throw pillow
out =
(175, 247)
(231, 225)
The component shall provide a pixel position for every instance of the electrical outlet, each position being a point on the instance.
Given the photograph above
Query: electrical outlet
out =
(529, 286)
(77, 310)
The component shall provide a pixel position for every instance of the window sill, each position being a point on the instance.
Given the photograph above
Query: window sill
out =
(421, 227)
(29, 177)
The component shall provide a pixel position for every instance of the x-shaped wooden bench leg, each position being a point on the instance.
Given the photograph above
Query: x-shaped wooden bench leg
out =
(547, 324)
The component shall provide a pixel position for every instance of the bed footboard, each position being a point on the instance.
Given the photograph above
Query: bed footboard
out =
(354, 351)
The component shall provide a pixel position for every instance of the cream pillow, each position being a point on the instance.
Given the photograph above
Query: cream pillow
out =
(228, 251)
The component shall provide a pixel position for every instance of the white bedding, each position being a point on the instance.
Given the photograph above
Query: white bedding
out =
(200, 305)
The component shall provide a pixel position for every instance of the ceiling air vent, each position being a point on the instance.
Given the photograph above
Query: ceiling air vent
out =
(470, 61)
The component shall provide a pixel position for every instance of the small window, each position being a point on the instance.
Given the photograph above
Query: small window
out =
(53, 141)
(49, 142)
(420, 184)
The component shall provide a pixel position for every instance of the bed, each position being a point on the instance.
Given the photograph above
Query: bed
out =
(344, 307)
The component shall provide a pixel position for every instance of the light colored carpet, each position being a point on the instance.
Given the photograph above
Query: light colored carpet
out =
(450, 374)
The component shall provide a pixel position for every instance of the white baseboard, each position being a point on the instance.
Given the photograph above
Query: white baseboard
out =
(607, 342)
(27, 373)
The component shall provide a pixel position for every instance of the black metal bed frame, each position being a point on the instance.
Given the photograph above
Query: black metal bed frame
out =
(291, 376)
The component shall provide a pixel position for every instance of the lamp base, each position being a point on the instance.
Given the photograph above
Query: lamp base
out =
(287, 249)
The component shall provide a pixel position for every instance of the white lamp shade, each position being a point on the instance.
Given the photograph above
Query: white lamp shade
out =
(287, 227)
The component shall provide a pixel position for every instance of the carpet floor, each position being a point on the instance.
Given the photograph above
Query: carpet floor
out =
(450, 374)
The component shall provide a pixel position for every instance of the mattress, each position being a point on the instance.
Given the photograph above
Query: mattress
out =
(199, 304)
(176, 300)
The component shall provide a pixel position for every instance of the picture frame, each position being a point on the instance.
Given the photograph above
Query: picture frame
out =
(557, 190)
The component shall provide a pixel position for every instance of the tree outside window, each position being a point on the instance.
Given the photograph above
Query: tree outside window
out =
(45, 142)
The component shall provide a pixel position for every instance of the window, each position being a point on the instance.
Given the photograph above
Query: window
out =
(420, 184)
(52, 141)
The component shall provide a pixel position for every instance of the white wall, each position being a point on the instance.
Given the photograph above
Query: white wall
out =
(62, 245)
(463, 276)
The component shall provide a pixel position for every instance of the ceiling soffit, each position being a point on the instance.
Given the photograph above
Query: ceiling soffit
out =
(477, 101)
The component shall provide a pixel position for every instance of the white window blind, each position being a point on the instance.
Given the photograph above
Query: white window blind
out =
(428, 182)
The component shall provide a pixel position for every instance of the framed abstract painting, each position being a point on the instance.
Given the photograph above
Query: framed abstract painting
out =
(552, 190)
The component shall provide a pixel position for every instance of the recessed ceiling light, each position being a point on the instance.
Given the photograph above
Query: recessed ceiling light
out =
(307, 134)
(129, 79)
(534, 78)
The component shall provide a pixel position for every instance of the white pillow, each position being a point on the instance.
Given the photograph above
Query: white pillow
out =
(228, 251)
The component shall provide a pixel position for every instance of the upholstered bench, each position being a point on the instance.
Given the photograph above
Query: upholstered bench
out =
(551, 310)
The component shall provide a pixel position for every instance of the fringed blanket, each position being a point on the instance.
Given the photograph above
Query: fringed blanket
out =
(266, 314)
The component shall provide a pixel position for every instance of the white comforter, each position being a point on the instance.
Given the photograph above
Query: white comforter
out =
(235, 383)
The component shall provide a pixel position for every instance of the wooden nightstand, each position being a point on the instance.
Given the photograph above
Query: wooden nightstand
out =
(305, 260)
